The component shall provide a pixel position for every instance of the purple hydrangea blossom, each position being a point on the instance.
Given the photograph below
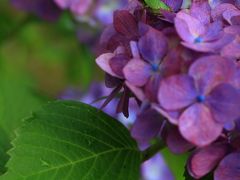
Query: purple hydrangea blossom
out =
(210, 100)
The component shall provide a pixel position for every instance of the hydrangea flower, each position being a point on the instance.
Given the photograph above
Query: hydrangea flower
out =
(45, 9)
(206, 94)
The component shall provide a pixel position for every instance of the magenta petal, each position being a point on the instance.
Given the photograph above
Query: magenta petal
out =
(228, 168)
(137, 72)
(205, 159)
(224, 102)
(153, 46)
(196, 124)
(209, 71)
(176, 92)
(176, 143)
(147, 126)
(230, 13)
(214, 31)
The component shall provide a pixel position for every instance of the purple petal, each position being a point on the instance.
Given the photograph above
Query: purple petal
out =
(201, 11)
(228, 168)
(125, 23)
(173, 4)
(213, 47)
(151, 88)
(147, 125)
(153, 46)
(176, 143)
(214, 31)
(234, 29)
(177, 92)
(196, 124)
(232, 50)
(117, 64)
(204, 160)
(217, 13)
(183, 30)
(103, 62)
(235, 20)
(209, 71)
(138, 92)
(137, 72)
(172, 116)
(156, 169)
(224, 102)
(196, 28)
(230, 13)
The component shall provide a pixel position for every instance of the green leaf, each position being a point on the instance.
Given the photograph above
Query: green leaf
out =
(4, 147)
(175, 162)
(156, 4)
(71, 140)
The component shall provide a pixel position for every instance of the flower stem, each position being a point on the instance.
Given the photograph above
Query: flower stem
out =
(152, 150)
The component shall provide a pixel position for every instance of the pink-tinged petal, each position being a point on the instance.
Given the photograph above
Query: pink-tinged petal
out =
(80, 7)
(224, 102)
(176, 143)
(103, 62)
(125, 23)
(153, 46)
(63, 3)
(234, 29)
(196, 28)
(205, 159)
(147, 125)
(172, 116)
(232, 50)
(235, 20)
(117, 64)
(236, 80)
(177, 92)
(229, 13)
(209, 71)
(217, 13)
(137, 72)
(213, 47)
(201, 11)
(196, 125)
(138, 92)
(228, 168)
(183, 30)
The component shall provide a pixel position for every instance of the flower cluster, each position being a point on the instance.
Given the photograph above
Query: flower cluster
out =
(182, 66)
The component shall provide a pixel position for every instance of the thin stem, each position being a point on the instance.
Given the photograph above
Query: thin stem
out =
(152, 150)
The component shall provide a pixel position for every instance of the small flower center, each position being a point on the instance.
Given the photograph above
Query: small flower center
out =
(198, 40)
(155, 67)
(201, 98)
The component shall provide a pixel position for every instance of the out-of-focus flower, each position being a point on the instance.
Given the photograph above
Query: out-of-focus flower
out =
(156, 169)
(45, 9)
(92, 12)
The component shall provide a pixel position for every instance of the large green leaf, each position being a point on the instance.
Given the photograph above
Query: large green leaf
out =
(70, 140)
(4, 147)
